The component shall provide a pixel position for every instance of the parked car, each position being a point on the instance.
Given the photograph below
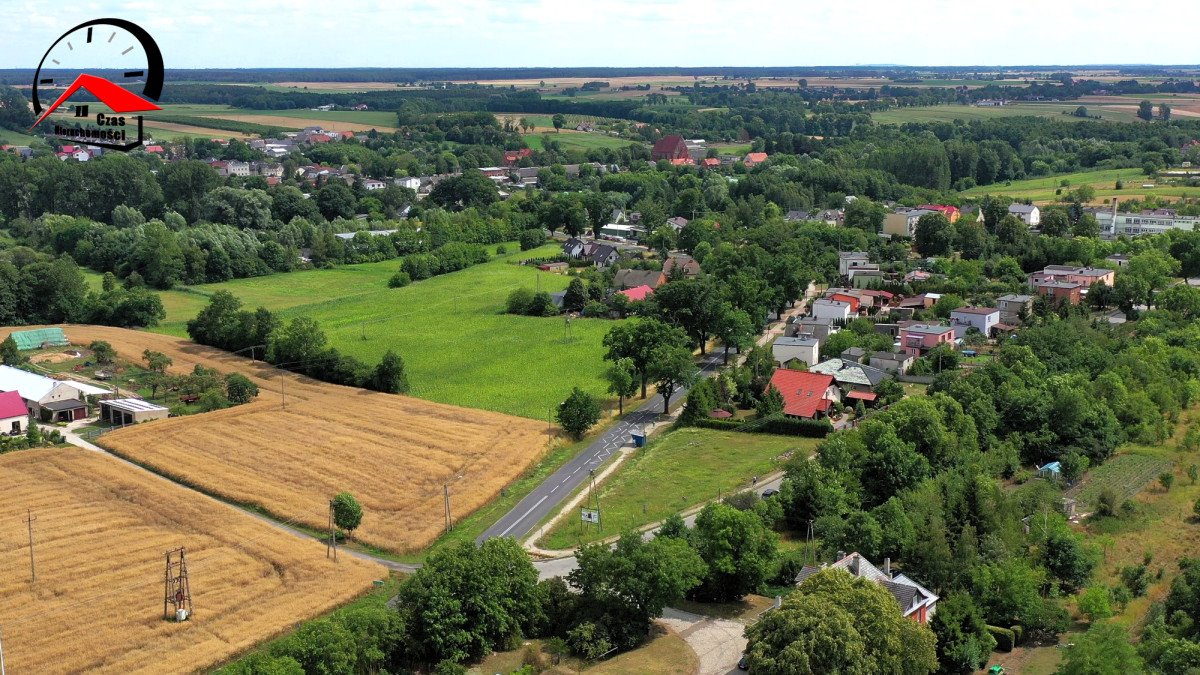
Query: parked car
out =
(770, 492)
(744, 662)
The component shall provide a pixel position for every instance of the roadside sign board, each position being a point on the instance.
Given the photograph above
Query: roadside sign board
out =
(590, 515)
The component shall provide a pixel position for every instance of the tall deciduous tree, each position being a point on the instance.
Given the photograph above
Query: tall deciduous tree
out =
(670, 368)
(738, 549)
(347, 512)
(578, 413)
(622, 381)
(636, 340)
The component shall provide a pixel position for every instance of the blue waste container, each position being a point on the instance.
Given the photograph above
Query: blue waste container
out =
(639, 440)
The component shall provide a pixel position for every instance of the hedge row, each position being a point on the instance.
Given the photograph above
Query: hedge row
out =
(1005, 638)
(787, 426)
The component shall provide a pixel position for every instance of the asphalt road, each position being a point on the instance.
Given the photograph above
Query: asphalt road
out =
(546, 498)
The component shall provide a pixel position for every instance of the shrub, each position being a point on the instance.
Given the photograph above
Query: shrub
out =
(1018, 634)
(1005, 638)
(532, 238)
(239, 389)
(595, 308)
(519, 301)
(501, 250)
(399, 280)
(1107, 503)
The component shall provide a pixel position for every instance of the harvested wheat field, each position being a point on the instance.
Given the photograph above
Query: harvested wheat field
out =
(394, 453)
(100, 533)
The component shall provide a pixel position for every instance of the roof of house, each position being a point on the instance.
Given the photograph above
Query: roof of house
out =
(12, 405)
(794, 216)
(909, 594)
(637, 293)
(852, 255)
(803, 392)
(854, 352)
(634, 278)
(65, 404)
(1014, 297)
(928, 329)
(34, 387)
(862, 395)
(796, 342)
(980, 311)
(686, 262)
(669, 145)
(892, 356)
(1021, 208)
(35, 339)
(830, 303)
(756, 157)
(849, 372)
(132, 405)
(815, 321)
(602, 252)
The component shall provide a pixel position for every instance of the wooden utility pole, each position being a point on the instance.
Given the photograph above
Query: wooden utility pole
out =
(2, 672)
(332, 535)
(282, 396)
(29, 518)
(446, 492)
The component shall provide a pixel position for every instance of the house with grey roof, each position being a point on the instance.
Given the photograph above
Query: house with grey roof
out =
(851, 376)
(892, 362)
(1013, 306)
(849, 260)
(788, 349)
(916, 602)
(810, 326)
(797, 216)
(1028, 213)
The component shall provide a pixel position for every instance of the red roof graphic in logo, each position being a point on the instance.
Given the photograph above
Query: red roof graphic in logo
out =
(116, 98)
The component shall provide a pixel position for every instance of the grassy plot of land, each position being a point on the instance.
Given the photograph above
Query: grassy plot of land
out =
(394, 453)
(949, 113)
(577, 140)
(1126, 475)
(1104, 182)
(458, 345)
(682, 469)
(100, 533)
(10, 137)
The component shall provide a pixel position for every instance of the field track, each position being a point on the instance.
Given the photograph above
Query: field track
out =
(100, 532)
(394, 453)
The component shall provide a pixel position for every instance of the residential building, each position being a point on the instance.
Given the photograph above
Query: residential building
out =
(1013, 306)
(951, 212)
(1118, 260)
(670, 148)
(795, 216)
(845, 295)
(918, 339)
(850, 260)
(866, 276)
(916, 602)
(810, 326)
(753, 159)
(14, 416)
(685, 263)
(825, 308)
(573, 247)
(922, 301)
(892, 362)
(1060, 291)
(633, 278)
(602, 255)
(411, 182)
(626, 232)
(372, 184)
(903, 222)
(39, 392)
(349, 236)
(1084, 276)
(851, 376)
(983, 319)
(512, 157)
(637, 293)
(806, 395)
(786, 349)
(853, 354)
(677, 223)
(1029, 214)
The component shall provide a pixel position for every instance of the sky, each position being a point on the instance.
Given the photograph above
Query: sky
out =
(531, 33)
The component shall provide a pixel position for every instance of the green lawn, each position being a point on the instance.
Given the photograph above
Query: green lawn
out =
(10, 137)
(684, 468)
(949, 113)
(457, 344)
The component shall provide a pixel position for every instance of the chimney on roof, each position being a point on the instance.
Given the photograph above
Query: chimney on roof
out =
(887, 567)
(840, 555)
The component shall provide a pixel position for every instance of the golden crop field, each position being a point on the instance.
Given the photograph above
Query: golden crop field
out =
(394, 453)
(100, 531)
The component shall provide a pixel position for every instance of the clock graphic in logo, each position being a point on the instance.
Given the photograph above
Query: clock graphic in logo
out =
(119, 45)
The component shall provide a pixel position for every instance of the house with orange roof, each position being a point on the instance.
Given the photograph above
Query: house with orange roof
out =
(806, 395)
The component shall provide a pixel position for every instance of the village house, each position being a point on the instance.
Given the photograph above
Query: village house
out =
(1060, 291)
(806, 395)
(919, 338)
(52, 400)
(1118, 259)
(371, 184)
(633, 278)
(1084, 276)
(851, 376)
(637, 293)
(410, 182)
(1028, 213)
(892, 362)
(850, 260)
(619, 231)
(866, 276)
(951, 212)
(677, 223)
(683, 262)
(818, 329)
(14, 416)
(1013, 306)
(983, 319)
(916, 602)
(788, 349)
(903, 222)
(753, 159)
(836, 310)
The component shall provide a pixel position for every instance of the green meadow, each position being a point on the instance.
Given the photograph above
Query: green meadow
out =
(458, 345)
(950, 113)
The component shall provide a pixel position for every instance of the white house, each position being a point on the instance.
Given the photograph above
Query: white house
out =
(411, 182)
(1029, 214)
(372, 184)
(849, 260)
(39, 391)
(825, 308)
(981, 318)
(787, 348)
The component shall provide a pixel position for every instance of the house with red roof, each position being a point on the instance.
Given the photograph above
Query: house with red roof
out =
(753, 159)
(710, 163)
(155, 149)
(637, 293)
(670, 148)
(512, 157)
(951, 212)
(807, 395)
(14, 416)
